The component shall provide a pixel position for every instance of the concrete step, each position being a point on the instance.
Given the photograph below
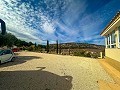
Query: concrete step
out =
(113, 63)
(114, 73)
(103, 85)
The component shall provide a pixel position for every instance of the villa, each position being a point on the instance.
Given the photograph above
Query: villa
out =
(112, 38)
(111, 63)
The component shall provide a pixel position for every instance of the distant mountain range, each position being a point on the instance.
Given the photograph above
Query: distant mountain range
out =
(73, 45)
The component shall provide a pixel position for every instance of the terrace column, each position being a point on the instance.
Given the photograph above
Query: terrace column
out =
(110, 41)
(117, 38)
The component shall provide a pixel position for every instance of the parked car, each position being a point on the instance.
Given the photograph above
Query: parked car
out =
(6, 55)
(15, 49)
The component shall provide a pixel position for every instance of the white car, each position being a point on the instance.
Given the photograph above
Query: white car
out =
(6, 55)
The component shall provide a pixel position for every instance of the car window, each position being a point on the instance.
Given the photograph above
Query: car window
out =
(7, 52)
(1, 51)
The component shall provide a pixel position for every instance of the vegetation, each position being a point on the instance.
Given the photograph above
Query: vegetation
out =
(9, 40)
(78, 46)
(79, 49)
(81, 53)
(86, 54)
(76, 49)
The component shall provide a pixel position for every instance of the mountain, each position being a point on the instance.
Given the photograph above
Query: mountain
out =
(73, 45)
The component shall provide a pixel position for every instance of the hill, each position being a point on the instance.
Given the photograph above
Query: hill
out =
(79, 49)
(74, 45)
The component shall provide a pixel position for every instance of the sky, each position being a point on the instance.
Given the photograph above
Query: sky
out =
(65, 20)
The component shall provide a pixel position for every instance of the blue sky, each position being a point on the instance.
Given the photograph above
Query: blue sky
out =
(65, 20)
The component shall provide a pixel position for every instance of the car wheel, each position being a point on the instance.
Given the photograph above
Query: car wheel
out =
(12, 59)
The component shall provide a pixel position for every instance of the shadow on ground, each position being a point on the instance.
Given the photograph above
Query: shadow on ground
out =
(34, 80)
(19, 60)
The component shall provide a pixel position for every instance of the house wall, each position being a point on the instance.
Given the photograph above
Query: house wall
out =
(113, 53)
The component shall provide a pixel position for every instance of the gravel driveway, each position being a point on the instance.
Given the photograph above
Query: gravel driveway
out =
(39, 71)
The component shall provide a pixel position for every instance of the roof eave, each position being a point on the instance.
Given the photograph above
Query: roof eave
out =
(112, 21)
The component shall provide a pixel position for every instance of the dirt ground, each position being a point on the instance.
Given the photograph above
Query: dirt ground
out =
(40, 71)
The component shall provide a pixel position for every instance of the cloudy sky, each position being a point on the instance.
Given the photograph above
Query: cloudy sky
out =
(65, 20)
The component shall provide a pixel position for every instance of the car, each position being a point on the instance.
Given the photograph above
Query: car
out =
(15, 49)
(6, 55)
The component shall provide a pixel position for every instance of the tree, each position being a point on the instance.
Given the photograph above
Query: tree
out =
(47, 46)
(3, 27)
(10, 39)
(30, 43)
(7, 40)
(1, 40)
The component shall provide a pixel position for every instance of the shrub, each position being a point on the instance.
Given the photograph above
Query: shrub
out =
(94, 55)
(31, 48)
(87, 54)
(80, 53)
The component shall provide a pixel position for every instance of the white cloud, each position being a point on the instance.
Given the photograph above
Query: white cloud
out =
(74, 10)
(69, 31)
(34, 23)
(48, 28)
(17, 22)
(47, 25)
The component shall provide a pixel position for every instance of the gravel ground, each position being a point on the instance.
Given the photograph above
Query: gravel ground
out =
(39, 71)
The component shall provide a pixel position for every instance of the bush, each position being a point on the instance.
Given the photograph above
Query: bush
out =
(86, 54)
(30, 48)
(81, 53)
(94, 55)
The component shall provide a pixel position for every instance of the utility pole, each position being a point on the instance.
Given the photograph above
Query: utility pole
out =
(47, 46)
(57, 46)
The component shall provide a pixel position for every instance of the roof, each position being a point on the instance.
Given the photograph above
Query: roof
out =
(113, 19)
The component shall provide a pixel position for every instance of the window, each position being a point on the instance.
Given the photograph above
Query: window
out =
(111, 40)
(108, 41)
(7, 52)
(1, 51)
(113, 37)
